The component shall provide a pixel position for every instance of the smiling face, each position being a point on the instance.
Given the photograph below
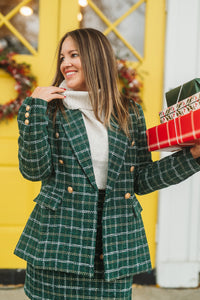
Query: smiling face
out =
(70, 66)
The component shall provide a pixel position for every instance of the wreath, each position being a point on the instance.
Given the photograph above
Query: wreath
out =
(25, 82)
(131, 86)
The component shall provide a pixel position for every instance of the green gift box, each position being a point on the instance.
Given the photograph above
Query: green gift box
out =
(183, 91)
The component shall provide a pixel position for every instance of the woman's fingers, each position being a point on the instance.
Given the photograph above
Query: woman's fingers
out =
(48, 93)
(195, 150)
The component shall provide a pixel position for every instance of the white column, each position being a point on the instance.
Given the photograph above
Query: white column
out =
(178, 236)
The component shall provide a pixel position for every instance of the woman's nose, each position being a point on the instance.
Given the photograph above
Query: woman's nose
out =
(67, 63)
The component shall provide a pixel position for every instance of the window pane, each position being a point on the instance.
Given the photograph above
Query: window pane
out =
(27, 26)
(132, 28)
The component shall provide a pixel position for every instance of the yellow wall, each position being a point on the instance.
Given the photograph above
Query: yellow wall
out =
(57, 17)
(152, 71)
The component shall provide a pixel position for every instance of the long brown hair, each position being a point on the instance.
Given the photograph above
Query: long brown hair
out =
(100, 71)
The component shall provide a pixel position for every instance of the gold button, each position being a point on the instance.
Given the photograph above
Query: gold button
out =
(133, 143)
(28, 107)
(61, 161)
(26, 114)
(26, 122)
(132, 168)
(57, 135)
(101, 256)
(70, 189)
(127, 196)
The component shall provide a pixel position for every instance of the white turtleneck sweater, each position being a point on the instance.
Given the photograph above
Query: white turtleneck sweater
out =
(96, 131)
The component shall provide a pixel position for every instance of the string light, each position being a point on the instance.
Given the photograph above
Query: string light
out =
(26, 11)
(83, 3)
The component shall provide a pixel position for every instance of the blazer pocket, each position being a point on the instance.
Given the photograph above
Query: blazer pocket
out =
(137, 208)
(48, 199)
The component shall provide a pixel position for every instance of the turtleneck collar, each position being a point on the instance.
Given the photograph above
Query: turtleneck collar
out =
(76, 99)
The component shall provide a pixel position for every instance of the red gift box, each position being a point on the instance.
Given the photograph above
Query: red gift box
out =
(175, 134)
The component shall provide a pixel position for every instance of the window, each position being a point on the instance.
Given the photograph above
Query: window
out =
(128, 18)
(19, 25)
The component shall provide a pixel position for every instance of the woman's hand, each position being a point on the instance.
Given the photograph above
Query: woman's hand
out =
(195, 150)
(48, 93)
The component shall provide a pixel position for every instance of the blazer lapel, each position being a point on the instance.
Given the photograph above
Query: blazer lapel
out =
(76, 132)
(118, 143)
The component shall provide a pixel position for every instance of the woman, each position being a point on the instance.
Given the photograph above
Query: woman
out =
(86, 142)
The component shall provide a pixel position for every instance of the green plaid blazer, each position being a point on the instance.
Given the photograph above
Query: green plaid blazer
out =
(61, 231)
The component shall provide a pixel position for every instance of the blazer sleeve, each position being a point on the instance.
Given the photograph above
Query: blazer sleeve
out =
(34, 153)
(173, 169)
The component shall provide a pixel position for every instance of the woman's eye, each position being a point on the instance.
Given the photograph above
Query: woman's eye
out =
(74, 54)
(61, 59)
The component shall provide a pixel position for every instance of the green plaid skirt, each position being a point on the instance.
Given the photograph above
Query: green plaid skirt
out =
(54, 285)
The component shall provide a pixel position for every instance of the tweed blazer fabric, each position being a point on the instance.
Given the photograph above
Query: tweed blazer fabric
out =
(61, 231)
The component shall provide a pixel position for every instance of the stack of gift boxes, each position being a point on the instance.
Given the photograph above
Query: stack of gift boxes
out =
(180, 121)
